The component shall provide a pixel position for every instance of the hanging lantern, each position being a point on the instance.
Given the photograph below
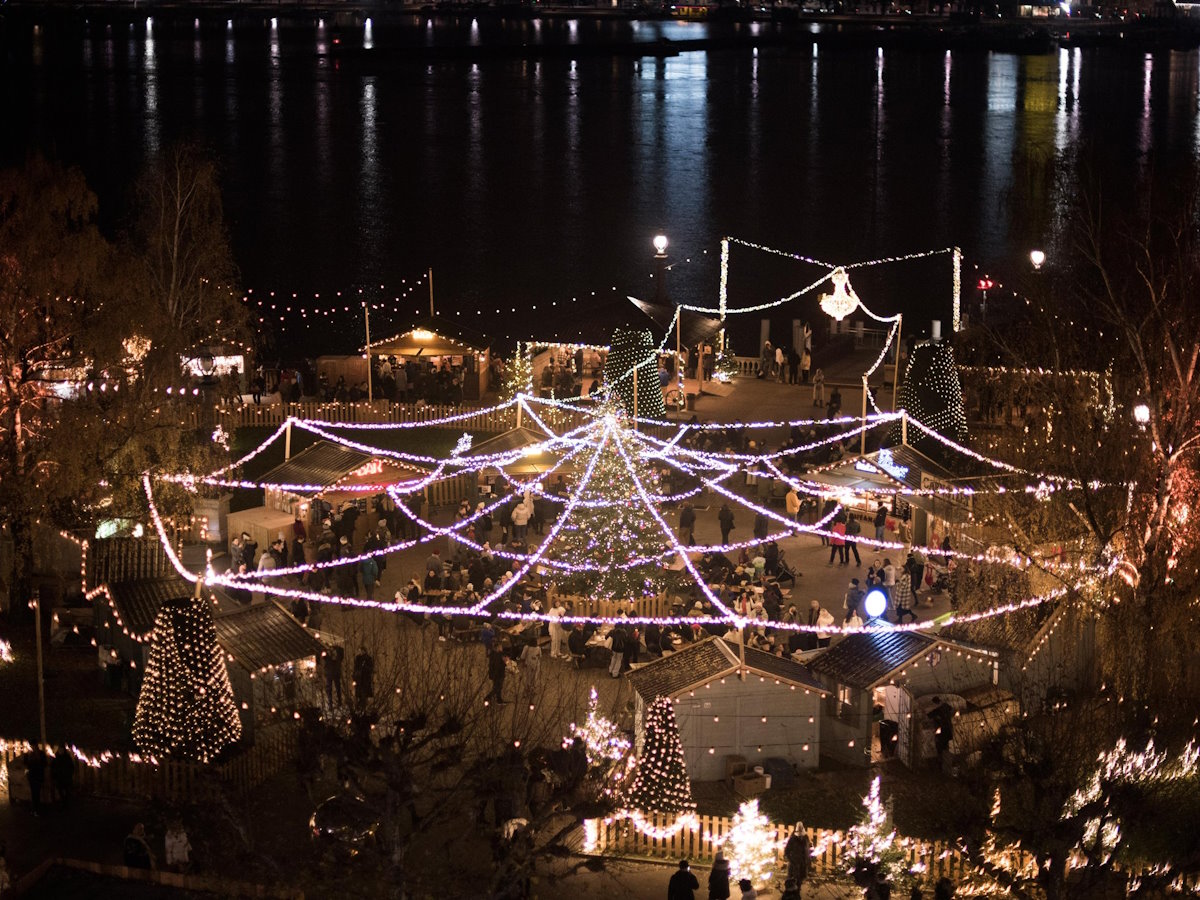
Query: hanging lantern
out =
(843, 300)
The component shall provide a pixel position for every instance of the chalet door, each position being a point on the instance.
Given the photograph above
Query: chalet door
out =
(903, 704)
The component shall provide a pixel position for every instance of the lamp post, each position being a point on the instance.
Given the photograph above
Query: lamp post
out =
(660, 296)
(1037, 258)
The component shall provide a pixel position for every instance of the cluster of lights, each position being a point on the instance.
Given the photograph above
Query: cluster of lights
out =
(6, 652)
(661, 784)
(752, 845)
(186, 707)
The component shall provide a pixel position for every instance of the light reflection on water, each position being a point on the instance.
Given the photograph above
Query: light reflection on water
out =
(544, 178)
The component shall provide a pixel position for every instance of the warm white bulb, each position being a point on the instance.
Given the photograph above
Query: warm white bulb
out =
(660, 244)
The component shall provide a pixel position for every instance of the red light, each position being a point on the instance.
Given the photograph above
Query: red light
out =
(986, 284)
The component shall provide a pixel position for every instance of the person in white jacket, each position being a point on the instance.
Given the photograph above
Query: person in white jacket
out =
(557, 611)
(823, 619)
(520, 520)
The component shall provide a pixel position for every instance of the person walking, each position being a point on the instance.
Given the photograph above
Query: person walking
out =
(683, 884)
(496, 667)
(718, 878)
(725, 518)
(687, 525)
(368, 568)
(818, 391)
(837, 544)
(35, 773)
(531, 660)
(766, 361)
(333, 673)
(792, 504)
(880, 521)
(780, 363)
(364, 678)
(62, 773)
(520, 520)
(853, 530)
(797, 852)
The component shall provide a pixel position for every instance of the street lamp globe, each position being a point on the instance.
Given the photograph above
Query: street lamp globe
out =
(1037, 257)
(1141, 414)
(660, 244)
(875, 603)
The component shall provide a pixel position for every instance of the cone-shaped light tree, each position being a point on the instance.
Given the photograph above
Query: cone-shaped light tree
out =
(932, 394)
(751, 847)
(632, 347)
(186, 709)
(661, 784)
(612, 527)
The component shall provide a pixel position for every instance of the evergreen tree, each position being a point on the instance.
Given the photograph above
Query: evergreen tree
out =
(630, 348)
(932, 394)
(617, 530)
(186, 707)
(751, 847)
(518, 375)
(872, 847)
(661, 784)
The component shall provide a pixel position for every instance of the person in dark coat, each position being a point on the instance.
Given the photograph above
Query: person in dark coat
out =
(496, 671)
(687, 525)
(364, 677)
(683, 884)
(718, 878)
(797, 852)
(136, 851)
(35, 774)
(333, 673)
(942, 715)
(62, 771)
(725, 518)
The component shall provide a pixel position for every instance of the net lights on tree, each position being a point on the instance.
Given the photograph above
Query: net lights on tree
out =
(661, 784)
(186, 708)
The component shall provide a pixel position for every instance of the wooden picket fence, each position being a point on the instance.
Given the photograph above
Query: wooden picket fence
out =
(366, 412)
(700, 843)
(658, 606)
(121, 777)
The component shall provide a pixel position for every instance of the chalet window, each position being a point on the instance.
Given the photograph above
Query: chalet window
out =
(840, 703)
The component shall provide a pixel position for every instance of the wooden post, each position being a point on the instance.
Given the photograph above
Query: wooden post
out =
(41, 676)
(287, 441)
(896, 371)
(431, 312)
(904, 428)
(862, 447)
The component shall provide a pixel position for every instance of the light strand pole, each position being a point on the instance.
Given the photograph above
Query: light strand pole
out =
(862, 447)
(367, 320)
(431, 312)
(896, 371)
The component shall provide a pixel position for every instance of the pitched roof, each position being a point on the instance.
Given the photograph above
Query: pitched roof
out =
(711, 658)
(264, 634)
(323, 463)
(863, 660)
(136, 603)
(1017, 630)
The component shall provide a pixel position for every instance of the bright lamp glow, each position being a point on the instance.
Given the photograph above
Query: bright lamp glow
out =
(875, 603)
(1037, 257)
(660, 244)
(1141, 414)
(421, 334)
(843, 300)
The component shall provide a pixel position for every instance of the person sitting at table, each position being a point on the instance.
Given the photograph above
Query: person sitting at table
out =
(652, 638)
(577, 645)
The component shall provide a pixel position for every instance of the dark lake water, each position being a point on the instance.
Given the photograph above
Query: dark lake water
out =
(537, 185)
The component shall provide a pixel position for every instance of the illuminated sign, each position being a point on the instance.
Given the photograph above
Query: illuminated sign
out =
(374, 467)
(883, 463)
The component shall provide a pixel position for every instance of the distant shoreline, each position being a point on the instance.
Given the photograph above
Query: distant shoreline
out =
(1020, 35)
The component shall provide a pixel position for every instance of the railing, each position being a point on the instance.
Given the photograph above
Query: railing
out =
(366, 412)
(747, 365)
(700, 842)
(176, 781)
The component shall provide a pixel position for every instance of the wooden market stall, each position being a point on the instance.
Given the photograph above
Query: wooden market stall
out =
(434, 344)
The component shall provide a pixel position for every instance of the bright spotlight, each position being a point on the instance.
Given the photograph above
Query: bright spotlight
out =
(875, 603)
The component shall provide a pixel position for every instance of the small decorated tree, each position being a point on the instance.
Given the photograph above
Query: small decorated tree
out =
(661, 784)
(607, 748)
(185, 708)
(872, 847)
(518, 375)
(632, 347)
(751, 846)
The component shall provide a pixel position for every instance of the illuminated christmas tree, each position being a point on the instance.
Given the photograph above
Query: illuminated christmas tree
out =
(751, 846)
(871, 846)
(661, 784)
(932, 394)
(185, 708)
(630, 348)
(613, 527)
(518, 375)
(602, 737)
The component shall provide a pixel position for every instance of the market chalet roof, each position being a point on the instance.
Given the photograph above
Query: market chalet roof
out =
(324, 463)
(432, 336)
(136, 603)
(864, 660)
(712, 658)
(263, 635)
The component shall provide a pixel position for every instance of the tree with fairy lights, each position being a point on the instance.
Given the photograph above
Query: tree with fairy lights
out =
(518, 375)
(751, 846)
(932, 394)
(186, 709)
(606, 746)
(872, 848)
(661, 784)
(614, 529)
(632, 349)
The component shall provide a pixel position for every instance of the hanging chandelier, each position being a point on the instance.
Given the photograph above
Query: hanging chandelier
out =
(843, 300)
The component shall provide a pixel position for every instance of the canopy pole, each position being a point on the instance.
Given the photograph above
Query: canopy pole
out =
(367, 318)
(431, 312)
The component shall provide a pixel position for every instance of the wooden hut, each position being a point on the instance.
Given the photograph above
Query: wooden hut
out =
(438, 341)
(736, 710)
(876, 683)
(272, 662)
